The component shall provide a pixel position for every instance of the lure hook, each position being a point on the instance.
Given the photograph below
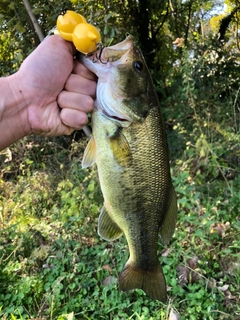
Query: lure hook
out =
(98, 57)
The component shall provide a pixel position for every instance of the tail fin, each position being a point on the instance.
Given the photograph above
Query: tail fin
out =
(151, 281)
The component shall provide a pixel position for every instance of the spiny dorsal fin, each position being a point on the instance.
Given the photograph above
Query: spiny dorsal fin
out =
(89, 156)
(107, 228)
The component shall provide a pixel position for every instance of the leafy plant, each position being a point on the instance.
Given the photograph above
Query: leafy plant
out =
(53, 265)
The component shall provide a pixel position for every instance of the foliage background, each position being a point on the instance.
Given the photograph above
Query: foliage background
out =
(53, 265)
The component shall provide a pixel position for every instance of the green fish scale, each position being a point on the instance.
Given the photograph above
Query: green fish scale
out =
(150, 178)
(136, 191)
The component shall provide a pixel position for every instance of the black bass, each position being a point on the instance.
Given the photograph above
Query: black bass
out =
(130, 148)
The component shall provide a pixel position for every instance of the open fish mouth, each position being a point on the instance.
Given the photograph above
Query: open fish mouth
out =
(112, 53)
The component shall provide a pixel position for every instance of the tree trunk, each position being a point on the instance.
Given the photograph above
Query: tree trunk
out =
(33, 19)
(140, 18)
(188, 23)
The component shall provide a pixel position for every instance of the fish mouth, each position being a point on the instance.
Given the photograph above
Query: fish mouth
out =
(113, 53)
(114, 118)
(100, 62)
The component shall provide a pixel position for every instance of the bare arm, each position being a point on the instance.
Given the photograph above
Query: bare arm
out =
(50, 95)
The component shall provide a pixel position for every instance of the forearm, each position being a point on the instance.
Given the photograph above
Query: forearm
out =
(13, 112)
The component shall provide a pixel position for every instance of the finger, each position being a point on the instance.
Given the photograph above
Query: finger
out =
(78, 84)
(77, 101)
(80, 69)
(73, 118)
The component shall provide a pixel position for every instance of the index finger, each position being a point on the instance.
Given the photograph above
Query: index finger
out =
(83, 71)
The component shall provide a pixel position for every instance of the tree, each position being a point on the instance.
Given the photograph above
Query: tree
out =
(34, 23)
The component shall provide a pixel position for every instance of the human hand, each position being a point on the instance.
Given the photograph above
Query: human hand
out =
(58, 90)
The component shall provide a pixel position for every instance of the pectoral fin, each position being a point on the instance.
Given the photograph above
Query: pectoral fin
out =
(107, 228)
(170, 219)
(89, 156)
(120, 148)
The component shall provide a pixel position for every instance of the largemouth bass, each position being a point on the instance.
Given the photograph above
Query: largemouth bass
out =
(129, 147)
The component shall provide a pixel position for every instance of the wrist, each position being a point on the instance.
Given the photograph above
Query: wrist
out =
(13, 112)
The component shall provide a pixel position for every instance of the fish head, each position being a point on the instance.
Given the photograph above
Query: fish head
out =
(124, 91)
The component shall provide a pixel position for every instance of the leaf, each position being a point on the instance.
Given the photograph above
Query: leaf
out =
(220, 228)
(11, 5)
(108, 268)
(173, 315)
(69, 316)
(108, 16)
(187, 273)
(106, 29)
(109, 281)
(224, 287)
(166, 252)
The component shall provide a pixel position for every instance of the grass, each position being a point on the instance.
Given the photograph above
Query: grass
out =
(55, 266)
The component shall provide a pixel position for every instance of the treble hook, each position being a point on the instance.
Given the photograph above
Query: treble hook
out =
(98, 57)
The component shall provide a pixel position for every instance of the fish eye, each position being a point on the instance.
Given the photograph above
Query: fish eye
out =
(138, 66)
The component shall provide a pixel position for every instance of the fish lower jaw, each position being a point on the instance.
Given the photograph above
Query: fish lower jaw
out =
(114, 117)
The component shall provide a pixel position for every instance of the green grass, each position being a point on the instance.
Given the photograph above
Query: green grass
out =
(53, 265)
